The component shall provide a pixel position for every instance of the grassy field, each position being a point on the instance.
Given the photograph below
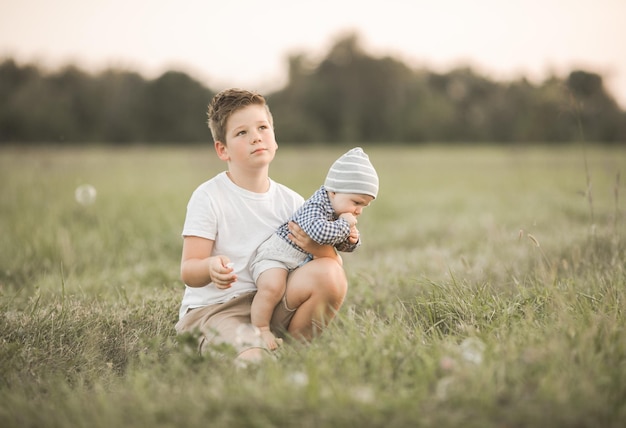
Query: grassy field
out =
(489, 292)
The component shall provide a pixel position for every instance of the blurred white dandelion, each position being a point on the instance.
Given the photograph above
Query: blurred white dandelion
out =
(298, 378)
(472, 350)
(85, 194)
(248, 335)
(364, 394)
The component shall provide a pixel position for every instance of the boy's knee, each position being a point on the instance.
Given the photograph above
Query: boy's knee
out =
(334, 283)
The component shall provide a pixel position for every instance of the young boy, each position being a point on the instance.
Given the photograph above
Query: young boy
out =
(228, 217)
(329, 217)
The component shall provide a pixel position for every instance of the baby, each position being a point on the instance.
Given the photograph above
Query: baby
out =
(329, 217)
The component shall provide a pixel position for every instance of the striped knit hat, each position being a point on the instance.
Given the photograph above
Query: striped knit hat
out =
(353, 173)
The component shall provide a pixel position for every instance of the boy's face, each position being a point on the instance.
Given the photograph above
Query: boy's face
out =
(249, 137)
(352, 203)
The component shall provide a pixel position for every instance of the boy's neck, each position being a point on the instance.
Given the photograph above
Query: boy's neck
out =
(256, 181)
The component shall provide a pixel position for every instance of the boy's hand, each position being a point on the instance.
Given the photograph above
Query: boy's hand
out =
(221, 272)
(304, 241)
(301, 239)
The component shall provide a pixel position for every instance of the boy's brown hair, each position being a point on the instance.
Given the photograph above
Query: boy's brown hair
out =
(225, 103)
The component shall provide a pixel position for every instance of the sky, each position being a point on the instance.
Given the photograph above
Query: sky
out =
(246, 43)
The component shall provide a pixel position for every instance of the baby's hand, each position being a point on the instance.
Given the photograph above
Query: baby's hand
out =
(350, 218)
(221, 272)
(353, 238)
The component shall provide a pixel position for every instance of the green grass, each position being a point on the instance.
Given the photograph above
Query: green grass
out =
(89, 295)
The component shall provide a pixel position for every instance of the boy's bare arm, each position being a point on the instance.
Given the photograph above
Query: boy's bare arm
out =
(198, 267)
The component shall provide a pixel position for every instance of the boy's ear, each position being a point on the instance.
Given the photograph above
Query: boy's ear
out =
(222, 151)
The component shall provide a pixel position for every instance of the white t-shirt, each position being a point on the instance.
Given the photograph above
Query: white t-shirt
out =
(238, 221)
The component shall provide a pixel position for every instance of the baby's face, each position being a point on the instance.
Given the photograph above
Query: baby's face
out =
(352, 203)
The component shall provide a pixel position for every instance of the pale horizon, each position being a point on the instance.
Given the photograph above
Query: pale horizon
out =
(246, 43)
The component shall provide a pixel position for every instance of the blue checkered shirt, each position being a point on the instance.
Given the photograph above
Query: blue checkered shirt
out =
(318, 220)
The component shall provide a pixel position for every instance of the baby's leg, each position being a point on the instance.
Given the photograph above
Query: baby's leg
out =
(270, 289)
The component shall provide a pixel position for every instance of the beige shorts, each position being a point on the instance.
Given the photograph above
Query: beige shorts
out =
(275, 252)
(228, 323)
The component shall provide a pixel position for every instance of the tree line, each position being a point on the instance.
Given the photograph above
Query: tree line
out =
(348, 96)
